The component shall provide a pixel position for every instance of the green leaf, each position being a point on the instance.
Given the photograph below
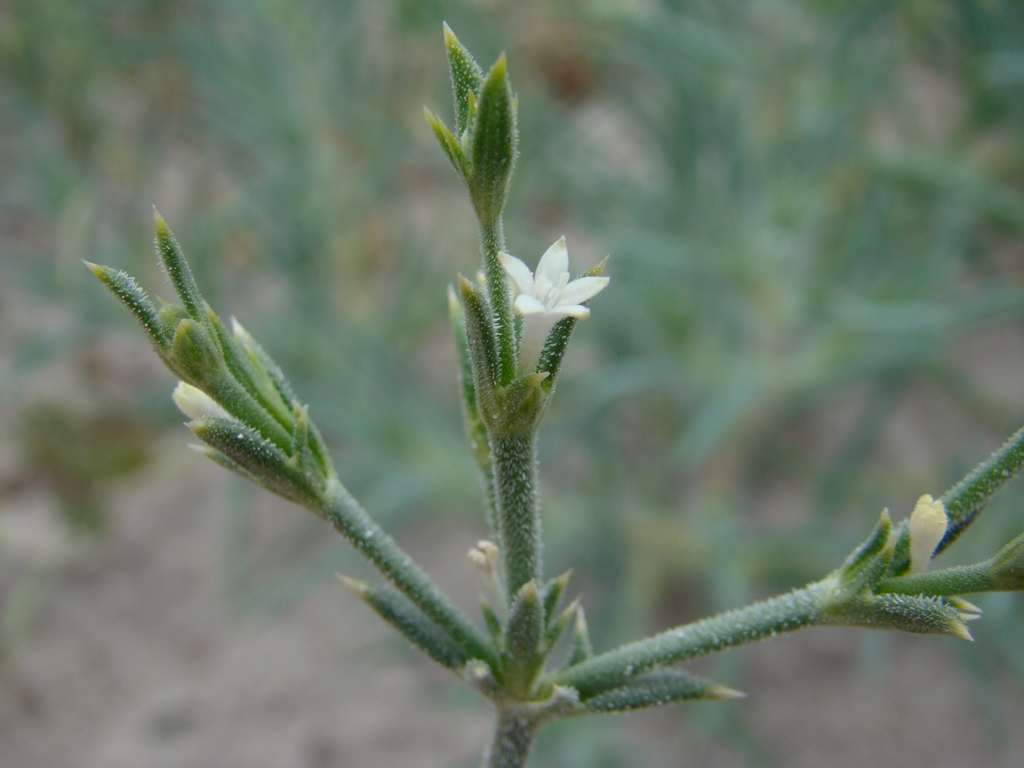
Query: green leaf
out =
(450, 145)
(178, 270)
(901, 613)
(482, 345)
(248, 372)
(494, 140)
(264, 361)
(959, 580)
(524, 652)
(966, 500)
(261, 459)
(580, 648)
(195, 356)
(131, 294)
(557, 625)
(410, 622)
(491, 621)
(656, 689)
(467, 78)
(900, 564)
(864, 563)
(1007, 566)
(552, 592)
(476, 430)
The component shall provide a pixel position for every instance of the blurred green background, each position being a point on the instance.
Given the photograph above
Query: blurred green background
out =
(815, 215)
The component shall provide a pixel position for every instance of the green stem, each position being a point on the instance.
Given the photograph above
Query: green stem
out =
(960, 580)
(352, 522)
(515, 471)
(513, 739)
(785, 613)
(492, 241)
(965, 501)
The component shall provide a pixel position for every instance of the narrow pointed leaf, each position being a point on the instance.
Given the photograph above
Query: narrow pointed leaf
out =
(411, 623)
(131, 294)
(580, 648)
(656, 689)
(264, 360)
(867, 553)
(466, 75)
(491, 621)
(552, 593)
(476, 431)
(524, 639)
(246, 371)
(269, 465)
(178, 270)
(450, 145)
(494, 145)
(219, 458)
(966, 500)
(481, 342)
(901, 613)
(557, 625)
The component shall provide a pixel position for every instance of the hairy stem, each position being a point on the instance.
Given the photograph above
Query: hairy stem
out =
(515, 471)
(785, 613)
(352, 522)
(513, 739)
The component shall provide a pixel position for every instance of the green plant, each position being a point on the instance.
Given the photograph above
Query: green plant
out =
(512, 327)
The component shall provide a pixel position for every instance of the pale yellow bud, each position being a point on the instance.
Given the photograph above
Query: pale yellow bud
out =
(928, 524)
(196, 404)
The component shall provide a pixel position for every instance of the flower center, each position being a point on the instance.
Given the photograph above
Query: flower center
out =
(547, 292)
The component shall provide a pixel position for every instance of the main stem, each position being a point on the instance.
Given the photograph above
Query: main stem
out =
(513, 739)
(515, 471)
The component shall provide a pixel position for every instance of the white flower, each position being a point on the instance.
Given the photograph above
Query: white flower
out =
(196, 404)
(545, 297)
(928, 524)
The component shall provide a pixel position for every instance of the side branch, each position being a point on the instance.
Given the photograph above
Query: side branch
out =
(785, 613)
(352, 522)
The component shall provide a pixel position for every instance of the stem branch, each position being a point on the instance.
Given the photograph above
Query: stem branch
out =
(352, 522)
(785, 613)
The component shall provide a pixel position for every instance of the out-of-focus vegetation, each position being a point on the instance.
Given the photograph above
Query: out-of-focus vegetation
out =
(815, 213)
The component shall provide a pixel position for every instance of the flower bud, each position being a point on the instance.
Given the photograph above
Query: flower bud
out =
(928, 524)
(195, 355)
(196, 404)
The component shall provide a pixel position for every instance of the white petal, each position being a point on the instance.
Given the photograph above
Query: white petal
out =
(571, 310)
(196, 404)
(518, 271)
(555, 261)
(582, 289)
(528, 305)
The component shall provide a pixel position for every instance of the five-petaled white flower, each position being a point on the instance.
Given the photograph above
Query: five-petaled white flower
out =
(545, 297)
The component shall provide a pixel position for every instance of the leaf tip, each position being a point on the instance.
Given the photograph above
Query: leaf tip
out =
(99, 271)
(356, 587)
(723, 692)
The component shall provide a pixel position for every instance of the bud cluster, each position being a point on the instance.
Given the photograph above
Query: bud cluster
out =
(236, 397)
